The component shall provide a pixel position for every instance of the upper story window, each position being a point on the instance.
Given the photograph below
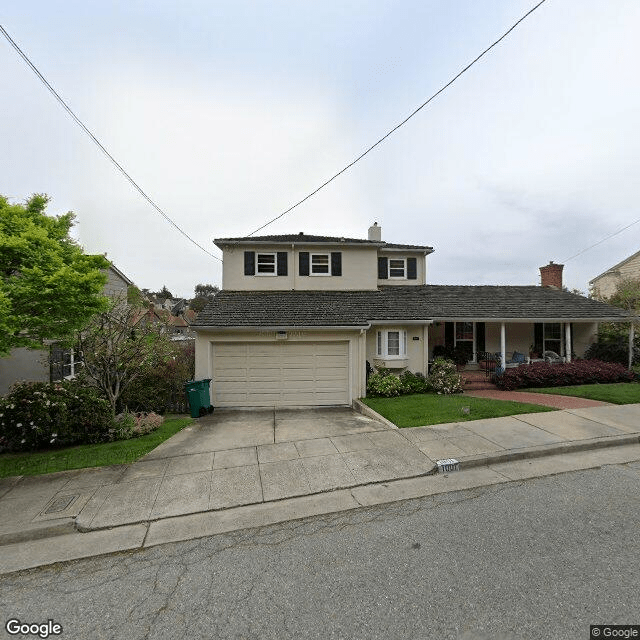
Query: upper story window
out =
(392, 343)
(397, 268)
(266, 263)
(320, 264)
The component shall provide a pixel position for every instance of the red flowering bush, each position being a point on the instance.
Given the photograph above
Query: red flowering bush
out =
(541, 374)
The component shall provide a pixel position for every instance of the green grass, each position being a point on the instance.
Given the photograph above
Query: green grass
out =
(88, 455)
(424, 409)
(615, 393)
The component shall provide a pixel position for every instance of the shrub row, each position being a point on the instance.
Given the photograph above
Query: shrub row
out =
(443, 379)
(541, 374)
(40, 415)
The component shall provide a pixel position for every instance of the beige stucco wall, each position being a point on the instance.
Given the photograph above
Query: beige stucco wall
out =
(605, 285)
(356, 340)
(421, 268)
(359, 270)
(115, 285)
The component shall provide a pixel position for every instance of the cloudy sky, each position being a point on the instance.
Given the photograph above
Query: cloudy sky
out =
(227, 113)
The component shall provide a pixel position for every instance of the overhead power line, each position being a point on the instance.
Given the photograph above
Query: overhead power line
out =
(400, 124)
(118, 166)
(615, 233)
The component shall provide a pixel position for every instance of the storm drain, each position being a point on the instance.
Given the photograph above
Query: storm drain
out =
(61, 503)
(450, 464)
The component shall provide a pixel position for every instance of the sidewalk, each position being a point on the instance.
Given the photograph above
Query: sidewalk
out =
(243, 469)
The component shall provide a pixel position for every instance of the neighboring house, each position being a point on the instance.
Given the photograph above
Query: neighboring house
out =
(52, 363)
(605, 285)
(300, 316)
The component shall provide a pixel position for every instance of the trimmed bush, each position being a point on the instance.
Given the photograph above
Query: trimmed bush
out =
(384, 383)
(541, 374)
(132, 425)
(37, 415)
(413, 382)
(444, 377)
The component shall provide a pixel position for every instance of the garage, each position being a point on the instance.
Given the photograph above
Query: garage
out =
(280, 374)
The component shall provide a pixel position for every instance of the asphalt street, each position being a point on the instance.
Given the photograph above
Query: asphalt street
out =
(541, 558)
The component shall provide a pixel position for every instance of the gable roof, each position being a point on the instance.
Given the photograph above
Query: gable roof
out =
(397, 304)
(615, 267)
(302, 238)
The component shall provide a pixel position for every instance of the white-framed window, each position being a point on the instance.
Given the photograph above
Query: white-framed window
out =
(392, 343)
(397, 268)
(266, 264)
(552, 337)
(320, 264)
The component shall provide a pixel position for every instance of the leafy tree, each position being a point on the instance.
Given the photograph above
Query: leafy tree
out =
(119, 346)
(48, 287)
(613, 338)
(204, 293)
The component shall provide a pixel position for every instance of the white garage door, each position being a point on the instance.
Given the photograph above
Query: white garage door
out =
(280, 374)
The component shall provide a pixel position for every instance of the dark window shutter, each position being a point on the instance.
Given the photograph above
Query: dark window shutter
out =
(448, 334)
(304, 263)
(282, 263)
(480, 336)
(538, 338)
(412, 268)
(336, 263)
(383, 270)
(249, 263)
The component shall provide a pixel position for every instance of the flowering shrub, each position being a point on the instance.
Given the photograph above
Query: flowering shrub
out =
(384, 383)
(132, 425)
(541, 374)
(413, 382)
(37, 415)
(444, 377)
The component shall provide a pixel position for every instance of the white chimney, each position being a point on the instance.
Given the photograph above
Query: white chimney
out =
(375, 233)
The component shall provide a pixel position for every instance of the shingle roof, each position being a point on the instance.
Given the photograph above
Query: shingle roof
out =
(304, 238)
(437, 302)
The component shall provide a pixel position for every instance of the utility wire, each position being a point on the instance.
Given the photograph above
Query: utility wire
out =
(413, 113)
(615, 233)
(118, 166)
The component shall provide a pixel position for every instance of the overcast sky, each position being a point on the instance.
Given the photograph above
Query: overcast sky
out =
(227, 113)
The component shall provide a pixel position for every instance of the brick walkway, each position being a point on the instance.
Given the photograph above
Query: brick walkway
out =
(544, 399)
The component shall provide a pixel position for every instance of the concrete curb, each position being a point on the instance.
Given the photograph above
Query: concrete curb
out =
(362, 408)
(39, 531)
(486, 459)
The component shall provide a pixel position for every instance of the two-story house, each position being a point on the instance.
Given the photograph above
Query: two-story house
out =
(299, 317)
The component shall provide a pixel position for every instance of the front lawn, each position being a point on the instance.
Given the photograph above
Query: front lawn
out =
(88, 455)
(428, 408)
(615, 393)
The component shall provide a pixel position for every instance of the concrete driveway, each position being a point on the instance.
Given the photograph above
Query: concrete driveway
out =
(235, 458)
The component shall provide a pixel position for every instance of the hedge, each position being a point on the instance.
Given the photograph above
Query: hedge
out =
(541, 374)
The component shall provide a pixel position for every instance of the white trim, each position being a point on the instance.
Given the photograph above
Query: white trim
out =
(382, 344)
(404, 269)
(312, 256)
(275, 264)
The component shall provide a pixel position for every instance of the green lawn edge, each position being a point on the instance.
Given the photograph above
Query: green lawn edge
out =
(418, 410)
(615, 392)
(89, 455)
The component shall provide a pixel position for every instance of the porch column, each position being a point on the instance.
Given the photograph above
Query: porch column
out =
(567, 341)
(503, 347)
(631, 335)
(425, 342)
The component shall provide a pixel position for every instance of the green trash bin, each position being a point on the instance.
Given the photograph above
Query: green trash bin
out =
(199, 399)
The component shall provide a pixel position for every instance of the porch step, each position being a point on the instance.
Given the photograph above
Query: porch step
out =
(476, 381)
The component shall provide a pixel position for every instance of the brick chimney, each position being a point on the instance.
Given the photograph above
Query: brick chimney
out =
(551, 275)
(375, 233)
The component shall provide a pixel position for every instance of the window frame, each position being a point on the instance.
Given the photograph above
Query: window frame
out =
(382, 344)
(311, 265)
(404, 268)
(273, 255)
